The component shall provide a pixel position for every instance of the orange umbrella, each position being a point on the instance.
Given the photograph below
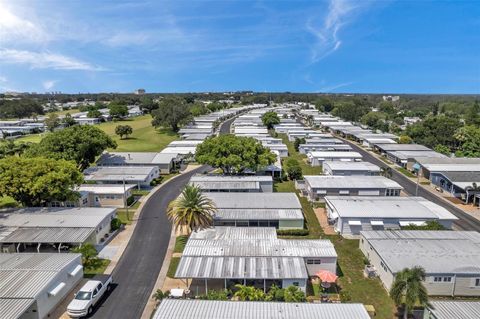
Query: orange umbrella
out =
(326, 276)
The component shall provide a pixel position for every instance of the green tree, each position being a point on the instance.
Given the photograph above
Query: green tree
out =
(172, 112)
(94, 114)
(372, 119)
(468, 138)
(9, 148)
(408, 289)
(147, 104)
(434, 130)
(80, 144)
(405, 139)
(249, 293)
(117, 110)
(68, 120)
(234, 154)
(192, 210)
(297, 142)
(275, 294)
(294, 294)
(90, 258)
(269, 119)
(293, 169)
(442, 149)
(473, 115)
(52, 122)
(351, 110)
(324, 104)
(123, 130)
(38, 181)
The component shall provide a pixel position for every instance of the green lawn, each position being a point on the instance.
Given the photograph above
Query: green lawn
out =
(122, 215)
(307, 169)
(145, 137)
(405, 172)
(172, 268)
(368, 291)
(180, 243)
(103, 264)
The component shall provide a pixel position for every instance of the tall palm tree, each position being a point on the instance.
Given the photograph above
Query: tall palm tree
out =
(192, 210)
(408, 289)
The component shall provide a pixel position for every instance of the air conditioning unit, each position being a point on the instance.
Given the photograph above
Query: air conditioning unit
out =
(369, 271)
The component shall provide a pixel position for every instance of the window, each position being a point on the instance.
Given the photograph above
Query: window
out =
(314, 261)
(477, 282)
(447, 279)
(295, 283)
(384, 267)
(437, 279)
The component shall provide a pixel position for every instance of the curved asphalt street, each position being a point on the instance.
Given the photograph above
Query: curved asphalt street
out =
(138, 268)
(465, 222)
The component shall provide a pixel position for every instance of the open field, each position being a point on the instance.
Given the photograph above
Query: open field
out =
(145, 137)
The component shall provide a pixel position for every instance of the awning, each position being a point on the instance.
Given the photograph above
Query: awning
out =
(376, 222)
(412, 222)
(75, 270)
(321, 191)
(344, 192)
(57, 289)
(355, 223)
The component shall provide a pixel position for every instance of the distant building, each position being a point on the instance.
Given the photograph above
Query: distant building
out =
(230, 184)
(391, 98)
(350, 168)
(139, 91)
(142, 176)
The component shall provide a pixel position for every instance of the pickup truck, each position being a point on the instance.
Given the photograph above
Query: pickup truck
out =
(88, 296)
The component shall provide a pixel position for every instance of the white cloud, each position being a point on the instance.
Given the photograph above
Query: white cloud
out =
(45, 60)
(14, 28)
(3, 79)
(128, 38)
(327, 34)
(47, 85)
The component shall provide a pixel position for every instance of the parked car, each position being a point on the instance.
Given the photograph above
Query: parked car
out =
(88, 296)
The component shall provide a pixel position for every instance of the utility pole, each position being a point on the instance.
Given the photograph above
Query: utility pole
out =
(418, 181)
(125, 199)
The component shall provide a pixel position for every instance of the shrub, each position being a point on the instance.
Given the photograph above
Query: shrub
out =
(292, 232)
(159, 294)
(115, 224)
(345, 296)
(130, 200)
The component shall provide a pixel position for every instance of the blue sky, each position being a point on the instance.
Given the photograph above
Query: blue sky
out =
(184, 46)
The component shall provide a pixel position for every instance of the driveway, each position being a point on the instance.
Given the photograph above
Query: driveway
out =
(465, 222)
(138, 268)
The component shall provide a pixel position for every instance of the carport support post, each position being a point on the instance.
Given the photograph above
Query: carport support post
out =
(206, 287)
(38, 247)
(59, 247)
(264, 286)
(225, 280)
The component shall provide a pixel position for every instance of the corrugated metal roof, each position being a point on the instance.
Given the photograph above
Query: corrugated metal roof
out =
(211, 309)
(233, 233)
(260, 214)
(84, 217)
(402, 147)
(118, 173)
(335, 154)
(48, 235)
(455, 309)
(14, 308)
(105, 188)
(242, 267)
(36, 261)
(351, 166)
(255, 200)
(437, 253)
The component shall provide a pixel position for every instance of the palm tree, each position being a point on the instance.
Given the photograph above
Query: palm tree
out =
(192, 210)
(294, 294)
(408, 289)
(472, 189)
(245, 293)
(386, 172)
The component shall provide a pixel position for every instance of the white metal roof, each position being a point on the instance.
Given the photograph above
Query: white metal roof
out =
(229, 182)
(412, 208)
(351, 166)
(88, 217)
(23, 276)
(255, 200)
(132, 158)
(340, 154)
(437, 254)
(117, 189)
(452, 309)
(259, 214)
(350, 182)
(118, 173)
